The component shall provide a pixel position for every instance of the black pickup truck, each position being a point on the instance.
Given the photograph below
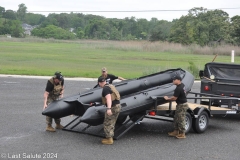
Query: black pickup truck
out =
(220, 79)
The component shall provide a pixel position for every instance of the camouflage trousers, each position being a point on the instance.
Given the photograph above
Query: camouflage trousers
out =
(179, 117)
(109, 121)
(49, 119)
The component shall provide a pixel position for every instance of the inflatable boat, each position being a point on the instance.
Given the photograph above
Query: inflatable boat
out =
(134, 93)
(139, 102)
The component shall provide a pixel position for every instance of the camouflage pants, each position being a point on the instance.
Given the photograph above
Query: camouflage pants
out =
(109, 121)
(179, 117)
(49, 119)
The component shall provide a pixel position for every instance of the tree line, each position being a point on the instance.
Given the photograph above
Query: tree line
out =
(200, 26)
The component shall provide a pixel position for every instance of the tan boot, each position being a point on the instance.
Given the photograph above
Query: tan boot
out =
(181, 135)
(107, 141)
(50, 128)
(174, 133)
(59, 126)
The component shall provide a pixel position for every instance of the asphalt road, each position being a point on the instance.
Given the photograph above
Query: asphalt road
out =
(23, 135)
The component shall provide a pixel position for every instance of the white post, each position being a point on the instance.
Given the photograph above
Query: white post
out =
(232, 56)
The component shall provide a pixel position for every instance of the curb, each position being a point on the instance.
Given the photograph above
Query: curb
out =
(48, 77)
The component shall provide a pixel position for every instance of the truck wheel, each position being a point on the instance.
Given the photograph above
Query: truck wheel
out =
(120, 120)
(200, 124)
(188, 121)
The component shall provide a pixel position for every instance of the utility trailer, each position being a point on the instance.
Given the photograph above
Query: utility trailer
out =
(198, 115)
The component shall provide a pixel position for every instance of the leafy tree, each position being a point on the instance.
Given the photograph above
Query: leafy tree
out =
(161, 31)
(2, 11)
(142, 27)
(52, 31)
(182, 31)
(34, 19)
(12, 27)
(21, 12)
(200, 26)
(80, 33)
(10, 14)
(115, 34)
(16, 29)
(50, 20)
(63, 20)
(235, 32)
(77, 22)
(97, 29)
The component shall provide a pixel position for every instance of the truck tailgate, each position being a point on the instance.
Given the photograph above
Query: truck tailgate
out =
(227, 89)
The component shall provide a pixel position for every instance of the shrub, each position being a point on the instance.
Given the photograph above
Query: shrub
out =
(193, 69)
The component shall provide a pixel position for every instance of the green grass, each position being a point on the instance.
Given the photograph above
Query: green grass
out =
(81, 60)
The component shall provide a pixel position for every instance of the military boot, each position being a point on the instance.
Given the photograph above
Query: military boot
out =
(181, 135)
(174, 133)
(59, 126)
(107, 141)
(50, 128)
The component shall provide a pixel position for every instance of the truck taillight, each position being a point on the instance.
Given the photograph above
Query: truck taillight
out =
(206, 88)
(231, 95)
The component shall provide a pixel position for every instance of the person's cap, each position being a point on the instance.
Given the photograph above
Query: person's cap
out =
(104, 69)
(101, 79)
(59, 76)
(176, 77)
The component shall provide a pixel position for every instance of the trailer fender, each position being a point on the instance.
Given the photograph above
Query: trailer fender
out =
(190, 112)
(197, 111)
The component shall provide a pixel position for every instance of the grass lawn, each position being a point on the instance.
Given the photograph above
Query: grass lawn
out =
(78, 60)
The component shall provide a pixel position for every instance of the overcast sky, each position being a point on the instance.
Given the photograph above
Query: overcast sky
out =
(125, 5)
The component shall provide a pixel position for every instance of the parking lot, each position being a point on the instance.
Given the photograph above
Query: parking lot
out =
(23, 135)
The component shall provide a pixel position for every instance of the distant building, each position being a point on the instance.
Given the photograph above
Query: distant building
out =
(28, 28)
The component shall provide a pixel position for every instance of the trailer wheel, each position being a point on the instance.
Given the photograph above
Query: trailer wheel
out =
(200, 124)
(120, 120)
(188, 121)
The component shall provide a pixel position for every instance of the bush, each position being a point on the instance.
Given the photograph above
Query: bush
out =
(52, 31)
(193, 69)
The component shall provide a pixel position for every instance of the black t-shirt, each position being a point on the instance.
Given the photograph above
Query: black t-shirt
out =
(107, 90)
(50, 86)
(110, 78)
(180, 93)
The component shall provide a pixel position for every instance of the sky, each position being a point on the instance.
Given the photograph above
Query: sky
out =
(124, 5)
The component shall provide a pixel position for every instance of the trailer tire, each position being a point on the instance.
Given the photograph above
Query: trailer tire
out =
(121, 120)
(188, 121)
(200, 124)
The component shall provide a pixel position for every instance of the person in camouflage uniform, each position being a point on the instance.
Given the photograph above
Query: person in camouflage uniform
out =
(111, 98)
(54, 90)
(179, 118)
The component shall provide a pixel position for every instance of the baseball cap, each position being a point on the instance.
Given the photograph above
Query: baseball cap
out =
(104, 69)
(176, 77)
(101, 79)
(59, 76)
